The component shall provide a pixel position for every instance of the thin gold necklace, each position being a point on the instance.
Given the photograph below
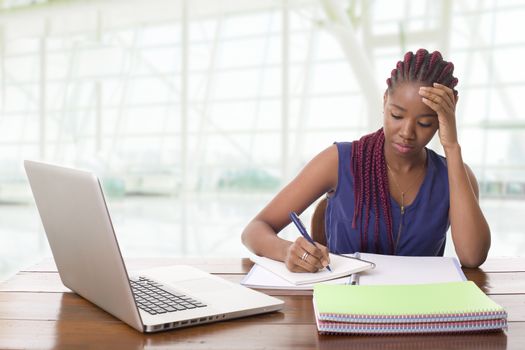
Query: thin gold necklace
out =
(407, 189)
(401, 219)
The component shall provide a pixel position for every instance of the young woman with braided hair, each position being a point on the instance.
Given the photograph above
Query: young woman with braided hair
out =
(389, 194)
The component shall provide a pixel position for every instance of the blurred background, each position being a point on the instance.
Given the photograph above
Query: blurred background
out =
(195, 113)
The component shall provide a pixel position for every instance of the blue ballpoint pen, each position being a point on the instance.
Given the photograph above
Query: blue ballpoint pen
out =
(299, 224)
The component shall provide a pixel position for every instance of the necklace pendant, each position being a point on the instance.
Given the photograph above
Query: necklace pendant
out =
(402, 203)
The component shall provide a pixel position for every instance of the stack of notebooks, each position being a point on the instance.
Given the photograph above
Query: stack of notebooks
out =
(398, 309)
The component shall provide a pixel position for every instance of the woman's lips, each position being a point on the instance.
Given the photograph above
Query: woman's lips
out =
(401, 148)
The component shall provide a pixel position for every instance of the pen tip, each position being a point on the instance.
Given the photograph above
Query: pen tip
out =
(328, 268)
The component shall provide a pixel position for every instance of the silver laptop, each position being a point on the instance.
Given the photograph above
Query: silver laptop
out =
(86, 251)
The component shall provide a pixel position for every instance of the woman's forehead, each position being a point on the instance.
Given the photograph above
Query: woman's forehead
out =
(406, 97)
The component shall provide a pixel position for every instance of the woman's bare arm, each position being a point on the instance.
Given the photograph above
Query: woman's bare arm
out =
(260, 235)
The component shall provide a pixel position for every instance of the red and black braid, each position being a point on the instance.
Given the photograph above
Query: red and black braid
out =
(370, 184)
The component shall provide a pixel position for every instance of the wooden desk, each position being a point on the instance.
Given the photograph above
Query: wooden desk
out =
(37, 311)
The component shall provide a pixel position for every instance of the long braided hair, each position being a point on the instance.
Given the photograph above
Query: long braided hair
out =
(368, 163)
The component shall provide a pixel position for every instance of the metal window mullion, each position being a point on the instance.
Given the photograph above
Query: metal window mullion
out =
(183, 195)
(285, 82)
(98, 118)
(125, 88)
(98, 94)
(305, 96)
(42, 92)
(2, 68)
(199, 155)
(259, 95)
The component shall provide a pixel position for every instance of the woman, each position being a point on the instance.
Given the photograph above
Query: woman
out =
(388, 193)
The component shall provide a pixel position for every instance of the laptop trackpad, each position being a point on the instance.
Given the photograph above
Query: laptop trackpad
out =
(202, 285)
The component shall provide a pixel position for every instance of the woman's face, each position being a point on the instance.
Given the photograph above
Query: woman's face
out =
(408, 124)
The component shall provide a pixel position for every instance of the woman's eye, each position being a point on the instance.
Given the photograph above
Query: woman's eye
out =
(425, 125)
(396, 116)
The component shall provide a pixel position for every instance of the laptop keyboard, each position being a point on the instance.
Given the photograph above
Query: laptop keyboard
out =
(155, 298)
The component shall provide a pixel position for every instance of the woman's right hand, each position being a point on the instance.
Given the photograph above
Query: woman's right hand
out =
(303, 256)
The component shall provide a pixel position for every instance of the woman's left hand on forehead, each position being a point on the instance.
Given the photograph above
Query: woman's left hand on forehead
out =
(441, 100)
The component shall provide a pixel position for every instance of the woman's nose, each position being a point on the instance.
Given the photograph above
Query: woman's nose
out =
(407, 131)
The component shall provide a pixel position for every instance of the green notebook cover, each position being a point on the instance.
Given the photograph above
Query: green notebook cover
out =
(457, 300)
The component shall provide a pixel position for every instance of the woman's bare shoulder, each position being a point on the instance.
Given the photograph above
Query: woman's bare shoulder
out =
(324, 166)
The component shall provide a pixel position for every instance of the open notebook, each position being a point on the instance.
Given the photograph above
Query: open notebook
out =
(391, 309)
(341, 266)
(388, 269)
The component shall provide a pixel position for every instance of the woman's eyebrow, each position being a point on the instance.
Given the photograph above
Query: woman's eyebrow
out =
(399, 107)
(419, 115)
(434, 115)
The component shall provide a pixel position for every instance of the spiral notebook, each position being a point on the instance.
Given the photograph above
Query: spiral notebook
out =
(394, 309)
